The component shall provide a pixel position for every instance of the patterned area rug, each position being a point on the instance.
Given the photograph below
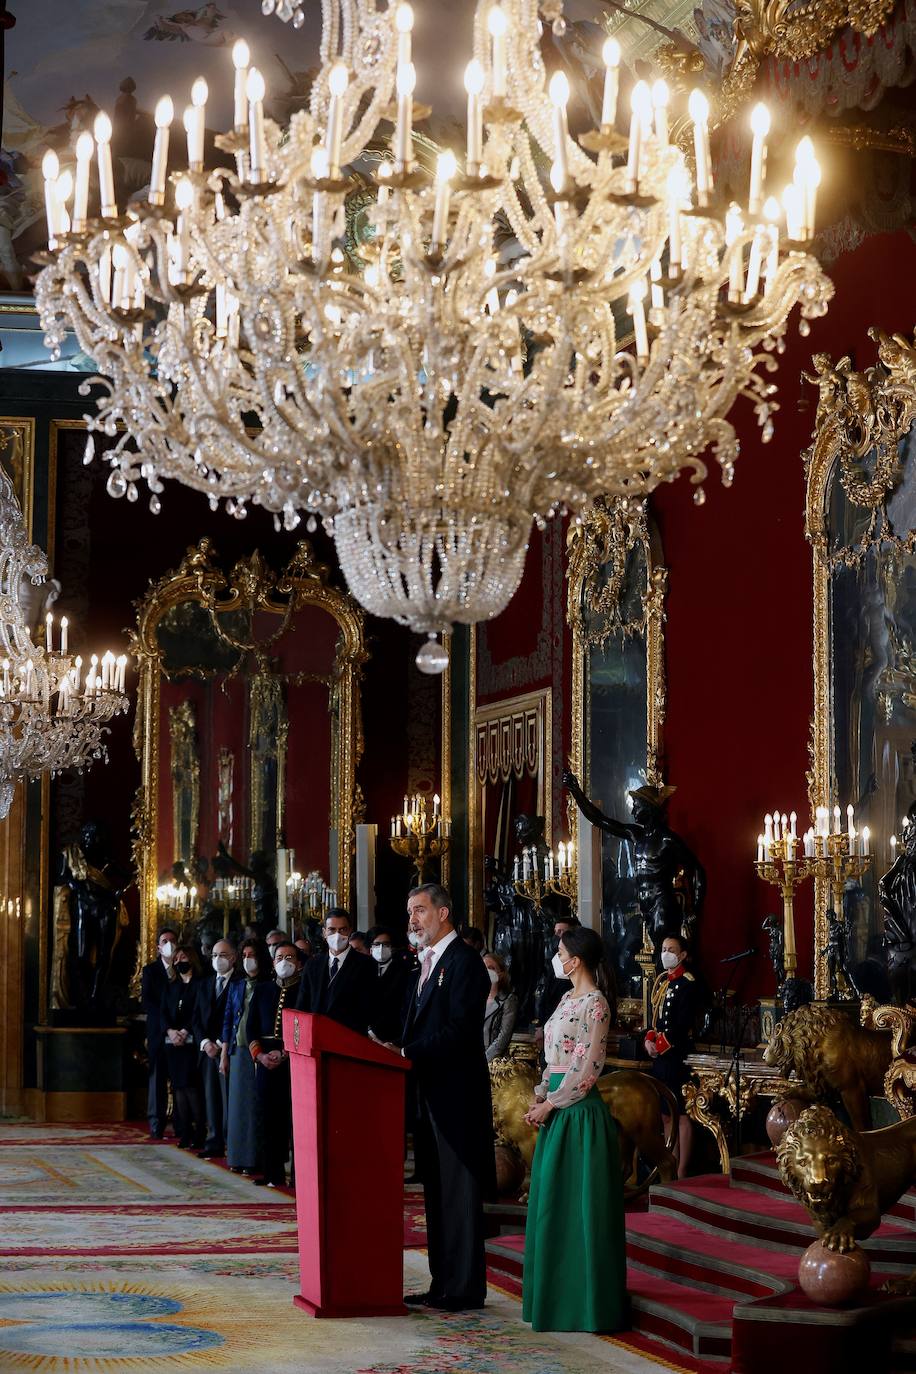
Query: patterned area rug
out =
(123, 1257)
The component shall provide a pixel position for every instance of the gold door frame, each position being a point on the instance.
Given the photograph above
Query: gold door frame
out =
(198, 578)
(857, 413)
(606, 533)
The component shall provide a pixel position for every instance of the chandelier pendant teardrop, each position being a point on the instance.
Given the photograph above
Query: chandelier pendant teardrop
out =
(458, 370)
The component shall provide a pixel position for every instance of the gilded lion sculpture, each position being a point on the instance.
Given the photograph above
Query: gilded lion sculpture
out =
(846, 1179)
(828, 1053)
(635, 1102)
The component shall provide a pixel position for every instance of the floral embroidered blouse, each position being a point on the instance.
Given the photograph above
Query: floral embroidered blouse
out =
(575, 1044)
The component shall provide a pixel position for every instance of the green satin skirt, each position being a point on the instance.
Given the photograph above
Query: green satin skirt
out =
(575, 1255)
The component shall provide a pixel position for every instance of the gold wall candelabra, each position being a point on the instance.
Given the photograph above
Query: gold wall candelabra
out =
(825, 852)
(420, 835)
(537, 875)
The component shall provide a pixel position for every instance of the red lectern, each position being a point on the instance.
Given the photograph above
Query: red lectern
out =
(348, 1118)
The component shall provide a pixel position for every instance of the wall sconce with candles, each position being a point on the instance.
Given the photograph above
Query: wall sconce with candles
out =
(825, 852)
(420, 834)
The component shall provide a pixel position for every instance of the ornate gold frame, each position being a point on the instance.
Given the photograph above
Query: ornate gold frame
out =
(858, 413)
(250, 584)
(606, 534)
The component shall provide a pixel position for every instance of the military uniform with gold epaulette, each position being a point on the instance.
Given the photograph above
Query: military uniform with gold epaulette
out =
(674, 1008)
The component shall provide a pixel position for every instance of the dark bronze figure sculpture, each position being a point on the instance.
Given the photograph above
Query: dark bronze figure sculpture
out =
(90, 916)
(776, 936)
(670, 879)
(522, 931)
(840, 980)
(897, 895)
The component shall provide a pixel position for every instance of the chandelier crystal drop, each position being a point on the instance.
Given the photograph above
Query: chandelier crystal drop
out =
(428, 360)
(53, 715)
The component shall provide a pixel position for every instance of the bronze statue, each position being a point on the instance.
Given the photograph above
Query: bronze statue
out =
(829, 1054)
(522, 931)
(897, 895)
(89, 919)
(670, 879)
(840, 981)
(846, 1179)
(776, 935)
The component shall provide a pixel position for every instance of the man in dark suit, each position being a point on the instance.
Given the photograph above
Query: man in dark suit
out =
(340, 984)
(393, 975)
(209, 1011)
(453, 1137)
(154, 980)
(265, 1045)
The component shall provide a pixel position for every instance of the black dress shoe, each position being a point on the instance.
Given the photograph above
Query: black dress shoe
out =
(185, 1144)
(270, 1182)
(210, 1152)
(455, 1305)
(427, 1299)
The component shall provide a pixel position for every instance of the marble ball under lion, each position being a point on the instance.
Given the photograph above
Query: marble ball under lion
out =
(781, 1116)
(831, 1279)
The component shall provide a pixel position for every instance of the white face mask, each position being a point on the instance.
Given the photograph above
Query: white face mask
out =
(413, 939)
(556, 964)
(251, 966)
(167, 950)
(337, 941)
(221, 963)
(284, 968)
(670, 959)
(494, 975)
(381, 953)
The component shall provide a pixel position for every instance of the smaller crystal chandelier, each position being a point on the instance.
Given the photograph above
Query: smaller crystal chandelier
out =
(53, 714)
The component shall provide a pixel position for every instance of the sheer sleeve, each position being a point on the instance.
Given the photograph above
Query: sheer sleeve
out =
(588, 1055)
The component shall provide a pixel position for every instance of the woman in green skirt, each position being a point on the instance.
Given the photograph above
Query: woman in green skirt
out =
(575, 1261)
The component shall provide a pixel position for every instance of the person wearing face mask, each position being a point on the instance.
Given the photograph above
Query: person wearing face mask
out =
(340, 984)
(154, 980)
(179, 1003)
(669, 1040)
(208, 1030)
(265, 1047)
(554, 988)
(393, 975)
(502, 1009)
(575, 1263)
(243, 1124)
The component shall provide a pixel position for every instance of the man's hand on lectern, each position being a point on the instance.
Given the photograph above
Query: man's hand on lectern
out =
(387, 1044)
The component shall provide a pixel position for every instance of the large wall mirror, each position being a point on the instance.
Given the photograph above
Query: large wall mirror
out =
(861, 520)
(248, 726)
(616, 600)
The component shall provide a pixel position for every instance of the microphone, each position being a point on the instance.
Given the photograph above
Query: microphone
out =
(733, 958)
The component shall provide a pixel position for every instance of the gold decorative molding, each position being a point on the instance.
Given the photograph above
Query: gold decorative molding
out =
(860, 415)
(250, 585)
(605, 536)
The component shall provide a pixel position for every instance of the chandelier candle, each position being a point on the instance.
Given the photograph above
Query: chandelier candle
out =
(50, 170)
(445, 170)
(559, 95)
(611, 54)
(760, 126)
(473, 83)
(106, 176)
(497, 25)
(403, 22)
(257, 145)
(85, 147)
(660, 99)
(163, 116)
(240, 59)
(403, 134)
(698, 106)
(640, 117)
(338, 81)
(195, 122)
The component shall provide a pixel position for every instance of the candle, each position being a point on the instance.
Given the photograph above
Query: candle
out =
(497, 24)
(850, 820)
(29, 669)
(771, 214)
(77, 670)
(733, 229)
(637, 310)
(473, 84)
(403, 22)
(768, 827)
(102, 128)
(760, 849)
(64, 623)
(836, 820)
(257, 145)
(559, 95)
(790, 848)
(119, 292)
(49, 631)
(807, 178)
(660, 97)
(240, 59)
(866, 842)
(776, 830)
(63, 695)
(698, 107)
(658, 294)
(195, 124)
(436, 803)
(755, 262)
(760, 125)
(50, 170)
(338, 80)
(611, 54)
(63, 188)
(893, 837)
(640, 118)
(85, 147)
(793, 204)
(569, 856)
(403, 133)
(184, 199)
(163, 117)
(122, 668)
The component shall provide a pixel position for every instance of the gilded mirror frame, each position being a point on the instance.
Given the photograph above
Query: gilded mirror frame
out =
(250, 585)
(858, 413)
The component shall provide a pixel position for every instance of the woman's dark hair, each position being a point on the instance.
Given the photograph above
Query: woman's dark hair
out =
(193, 959)
(587, 945)
(504, 983)
(259, 950)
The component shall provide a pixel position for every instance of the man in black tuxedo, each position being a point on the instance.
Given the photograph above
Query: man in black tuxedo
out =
(265, 1045)
(209, 1010)
(453, 1136)
(154, 980)
(393, 975)
(340, 984)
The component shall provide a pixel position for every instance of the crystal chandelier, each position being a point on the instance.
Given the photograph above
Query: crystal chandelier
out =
(456, 371)
(52, 715)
